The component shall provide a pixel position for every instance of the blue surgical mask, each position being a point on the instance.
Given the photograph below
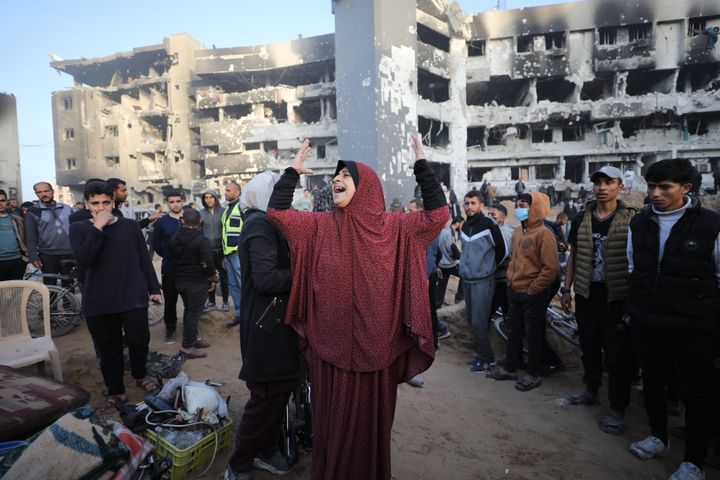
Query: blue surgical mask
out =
(521, 214)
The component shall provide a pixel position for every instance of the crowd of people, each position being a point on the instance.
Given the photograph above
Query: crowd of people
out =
(334, 290)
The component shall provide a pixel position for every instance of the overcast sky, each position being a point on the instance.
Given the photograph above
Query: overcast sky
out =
(33, 29)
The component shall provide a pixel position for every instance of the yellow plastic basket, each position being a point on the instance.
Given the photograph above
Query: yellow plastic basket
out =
(191, 459)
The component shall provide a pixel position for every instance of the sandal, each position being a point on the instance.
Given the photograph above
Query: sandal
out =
(113, 401)
(612, 424)
(528, 383)
(200, 343)
(497, 373)
(148, 383)
(193, 353)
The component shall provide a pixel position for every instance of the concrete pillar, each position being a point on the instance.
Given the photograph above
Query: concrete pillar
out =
(376, 83)
(457, 150)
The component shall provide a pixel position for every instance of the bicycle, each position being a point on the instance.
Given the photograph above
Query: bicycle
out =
(562, 324)
(65, 312)
(297, 424)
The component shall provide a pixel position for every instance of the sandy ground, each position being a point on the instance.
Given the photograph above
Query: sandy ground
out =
(460, 425)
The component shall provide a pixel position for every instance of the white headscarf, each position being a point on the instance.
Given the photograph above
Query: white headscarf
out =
(256, 193)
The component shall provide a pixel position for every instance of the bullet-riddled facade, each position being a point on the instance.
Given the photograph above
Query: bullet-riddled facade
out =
(541, 94)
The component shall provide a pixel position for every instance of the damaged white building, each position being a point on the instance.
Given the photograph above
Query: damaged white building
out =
(540, 94)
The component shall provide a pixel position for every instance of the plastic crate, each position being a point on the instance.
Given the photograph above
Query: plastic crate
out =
(194, 458)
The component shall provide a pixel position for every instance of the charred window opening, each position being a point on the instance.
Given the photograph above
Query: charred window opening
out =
(155, 126)
(500, 91)
(476, 137)
(275, 111)
(697, 126)
(545, 172)
(210, 114)
(198, 168)
(630, 127)
(608, 36)
(112, 161)
(573, 133)
(639, 32)
(476, 48)
(554, 40)
(67, 103)
(574, 169)
(597, 89)
(433, 87)
(496, 136)
(555, 90)
(249, 146)
(520, 173)
(476, 174)
(71, 163)
(433, 132)
(433, 38)
(699, 77)
(542, 135)
(642, 82)
(309, 111)
(270, 147)
(696, 26)
(525, 44)
(237, 112)
(321, 152)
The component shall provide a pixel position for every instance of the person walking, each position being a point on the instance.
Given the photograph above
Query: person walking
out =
(450, 259)
(358, 351)
(211, 214)
(13, 250)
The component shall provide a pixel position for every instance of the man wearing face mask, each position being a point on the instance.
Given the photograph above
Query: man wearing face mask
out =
(483, 249)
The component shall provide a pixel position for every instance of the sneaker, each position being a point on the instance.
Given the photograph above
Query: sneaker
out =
(687, 471)
(170, 336)
(550, 370)
(479, 366)
(444, 334)
(275, 464)
(472, 360)
(650, 447)
(209, 307)
(416, 381)
(232, 474)
(225, 307)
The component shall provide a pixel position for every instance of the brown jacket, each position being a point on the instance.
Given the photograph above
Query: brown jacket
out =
(534, 263)
(19, 227)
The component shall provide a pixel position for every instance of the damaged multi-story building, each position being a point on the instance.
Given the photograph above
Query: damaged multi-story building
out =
(541, 94)
(10, 180)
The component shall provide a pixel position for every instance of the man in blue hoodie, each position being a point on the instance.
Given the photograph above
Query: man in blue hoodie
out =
(483, 249)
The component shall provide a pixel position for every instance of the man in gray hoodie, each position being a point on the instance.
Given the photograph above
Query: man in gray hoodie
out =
(211, 216)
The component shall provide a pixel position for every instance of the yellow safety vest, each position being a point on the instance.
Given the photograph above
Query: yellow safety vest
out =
(232, 223)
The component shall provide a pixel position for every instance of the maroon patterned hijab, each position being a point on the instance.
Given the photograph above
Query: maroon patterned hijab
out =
(359, 294)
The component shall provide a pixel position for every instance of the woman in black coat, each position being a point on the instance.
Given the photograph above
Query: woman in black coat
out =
(270, 357)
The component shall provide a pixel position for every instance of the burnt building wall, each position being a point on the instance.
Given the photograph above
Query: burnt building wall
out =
(9, 147)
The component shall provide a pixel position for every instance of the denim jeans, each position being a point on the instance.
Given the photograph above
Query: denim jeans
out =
(232, 266)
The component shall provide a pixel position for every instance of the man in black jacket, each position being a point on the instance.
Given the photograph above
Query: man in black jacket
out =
(674, 267)
(194, 269)
(270, 354)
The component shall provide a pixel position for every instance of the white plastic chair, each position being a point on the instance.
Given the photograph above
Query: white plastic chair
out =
(17, 347)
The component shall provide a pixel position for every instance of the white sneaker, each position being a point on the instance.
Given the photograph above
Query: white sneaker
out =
(416, 381)
(688, 471)
(650, 447)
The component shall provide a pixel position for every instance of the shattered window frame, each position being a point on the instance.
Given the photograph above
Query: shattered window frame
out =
(477, 48)
(525, 44)
(608, 35)
(639, 32)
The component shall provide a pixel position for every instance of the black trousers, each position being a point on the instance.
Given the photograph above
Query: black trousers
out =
(259, 428)
(51, 264)
(107, 336)
(442, 284)
(432, 289)
(500, 299)
(171, 295)
(527, 314)
(218, 259)
(12, 269)
(193, 297)
(691, 360)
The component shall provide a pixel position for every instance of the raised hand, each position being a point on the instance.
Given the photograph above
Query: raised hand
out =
(299, 161)
(417, 146)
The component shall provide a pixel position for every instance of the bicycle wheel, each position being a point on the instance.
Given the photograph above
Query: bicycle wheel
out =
(564, 326)
(65, 313)
(155, 314)
(501, 327)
